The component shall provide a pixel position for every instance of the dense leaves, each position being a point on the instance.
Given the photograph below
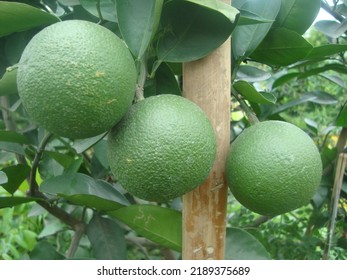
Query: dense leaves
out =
(58, 198)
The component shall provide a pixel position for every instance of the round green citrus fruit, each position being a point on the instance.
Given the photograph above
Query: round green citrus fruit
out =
(76, 79)
(164, 147)
(273, 167)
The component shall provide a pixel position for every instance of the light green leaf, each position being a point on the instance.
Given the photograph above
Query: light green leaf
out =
(107, 239)
(3, 178)
(331, 28)
(252, 74)
(246, 38)
(138, 22)
(16, 17)
(84, 190)
(12, 147)
(16, 174)
(107, 8)
(240, 245)
(8, 82)
(248, 18)
(82, 145)
(325, 51)
(284, 79)
(160, 225)
(193, 29)
(282, 47)
(297, 15)
(251, 94)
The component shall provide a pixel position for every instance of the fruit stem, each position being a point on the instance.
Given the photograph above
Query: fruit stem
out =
(251, 116)
(139, 95)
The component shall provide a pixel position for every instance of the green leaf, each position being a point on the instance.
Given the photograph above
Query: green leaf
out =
(16, 17)
(138, 22)
(318, 97)
(82, 145)
(342, 117)
(251, 94)
(241, 245)
(13, 136)
(45, 251)
(340, 68)
(100, 152)
(8, 82)
(326, 51)
(12, 147)
(246, 38)
(107, 239)
(161, 225)
(107, 8)
(83, 190)
(282, 47)
(252, 74)
(193, 29)
(164, 82)
(16, 174)
(284, 79)
(297, 15)
(15, 200)
(335, 79)
(331, 28)
(248, 18)
(3, 178)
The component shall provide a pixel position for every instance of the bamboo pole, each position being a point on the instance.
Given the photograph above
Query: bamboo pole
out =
(207, 83)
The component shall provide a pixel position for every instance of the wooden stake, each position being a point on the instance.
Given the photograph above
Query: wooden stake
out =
(207, 83)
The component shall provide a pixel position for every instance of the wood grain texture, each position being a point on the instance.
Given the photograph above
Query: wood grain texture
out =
(207, 83)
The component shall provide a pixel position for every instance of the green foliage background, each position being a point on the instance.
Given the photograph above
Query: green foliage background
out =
(279, 71)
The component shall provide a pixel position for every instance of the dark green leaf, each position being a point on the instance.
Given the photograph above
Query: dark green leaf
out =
(240, 245)
(331, 28)
(12, 147)
(8, 82)
(193, 29)
(138, 22)
(246, 38)
(12, 136)
(247, 18)
(63, 159)
(82, 145)
(252, 74)
(100, 152)
(318, 97)
(340, 68)
(312, 125)
(342, 117)
(251, 94)
(284, 79)
(164, 82)
(282, 47)
(84, 190)
(45, 251)
(16, 174)
(161, 225)
(3, 178)
(325, 51)
(107, 8)
(297, 15)
(16, 17)
(15, 200)
(107, 239)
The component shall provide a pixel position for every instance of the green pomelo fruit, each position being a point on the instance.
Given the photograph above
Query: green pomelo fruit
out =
(76, 79)
(273, 167)
(163, 148)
